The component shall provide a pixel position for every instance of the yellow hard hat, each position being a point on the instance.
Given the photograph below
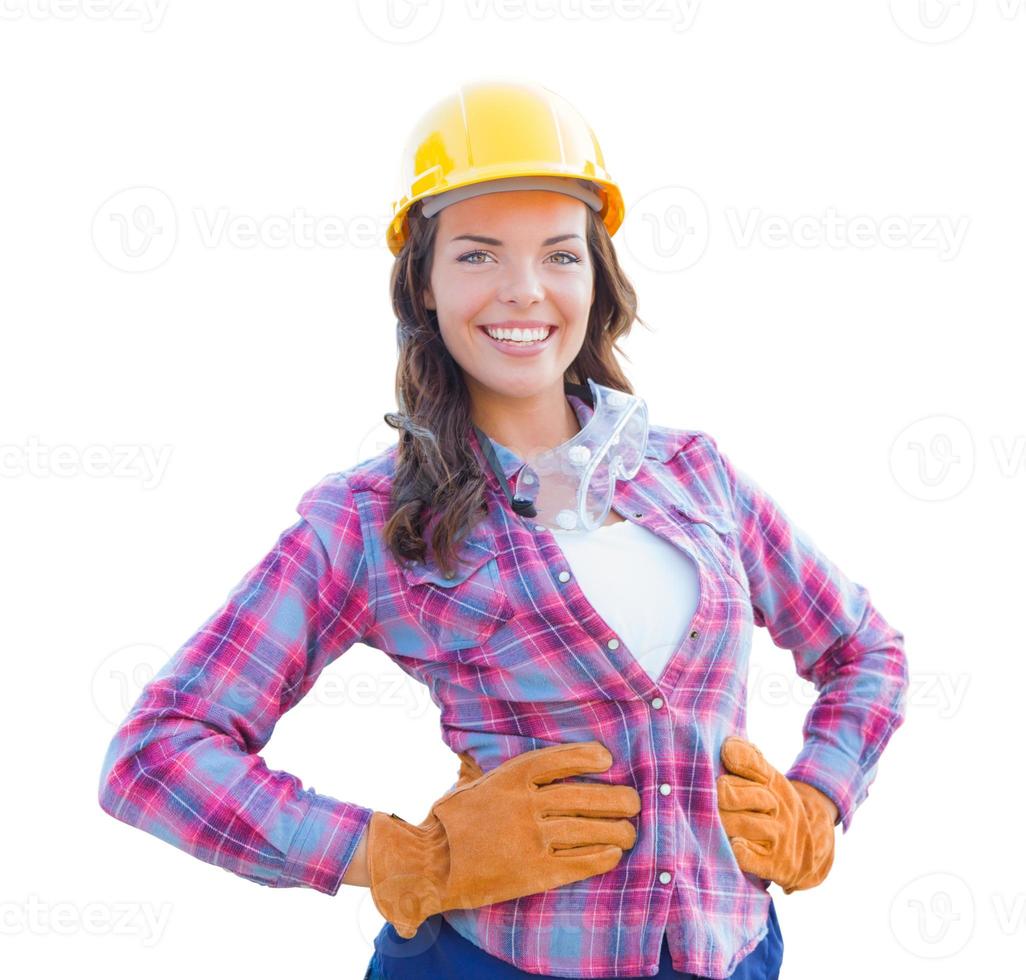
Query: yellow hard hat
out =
(513, 135)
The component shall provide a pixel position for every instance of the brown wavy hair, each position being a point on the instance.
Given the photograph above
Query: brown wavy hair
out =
(438, 484)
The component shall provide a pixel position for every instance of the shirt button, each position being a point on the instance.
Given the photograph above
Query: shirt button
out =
(613, 643)
(539, 527)
(665, 877)
(657, 703)
(638, 513)
(665, 789)
(693, 634)
(564, 576)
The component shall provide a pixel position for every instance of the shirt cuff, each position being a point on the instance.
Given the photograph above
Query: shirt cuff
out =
(832, 772)
(324, 844)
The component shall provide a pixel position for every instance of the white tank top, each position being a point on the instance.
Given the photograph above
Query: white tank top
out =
(645, 588)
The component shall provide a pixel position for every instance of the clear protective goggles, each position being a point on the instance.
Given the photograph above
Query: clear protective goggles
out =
(571, 486)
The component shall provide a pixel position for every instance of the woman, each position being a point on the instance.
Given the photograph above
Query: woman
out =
(576, 586)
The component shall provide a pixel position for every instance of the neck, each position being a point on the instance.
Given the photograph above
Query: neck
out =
(526, 425)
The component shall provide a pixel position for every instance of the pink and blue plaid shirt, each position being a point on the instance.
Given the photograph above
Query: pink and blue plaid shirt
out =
(516, 658)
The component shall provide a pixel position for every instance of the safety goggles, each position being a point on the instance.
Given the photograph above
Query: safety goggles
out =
(571, 486)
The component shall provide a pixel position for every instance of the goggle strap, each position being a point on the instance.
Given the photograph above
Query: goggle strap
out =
(525, 508)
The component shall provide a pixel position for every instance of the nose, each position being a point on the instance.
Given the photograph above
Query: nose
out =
(521, 285)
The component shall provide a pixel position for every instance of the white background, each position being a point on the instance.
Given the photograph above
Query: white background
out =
(826, 207)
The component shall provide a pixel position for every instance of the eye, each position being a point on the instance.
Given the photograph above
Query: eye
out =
(570, 255)
(468, 255)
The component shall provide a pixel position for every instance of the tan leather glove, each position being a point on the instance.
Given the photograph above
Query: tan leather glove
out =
(469, 769)
(507, 833)
(780, 829)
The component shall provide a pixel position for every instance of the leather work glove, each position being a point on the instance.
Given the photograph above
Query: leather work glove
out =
(469, 769)
(507, 833)
(780, 829)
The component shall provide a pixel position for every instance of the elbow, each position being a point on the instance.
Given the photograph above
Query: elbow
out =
(902, 682)
(898, 680)
(110, 791)
(127, 759)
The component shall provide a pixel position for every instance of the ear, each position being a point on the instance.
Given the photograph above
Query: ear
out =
(429, 298)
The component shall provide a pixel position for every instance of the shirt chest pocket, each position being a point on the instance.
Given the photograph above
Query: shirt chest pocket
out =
(461, 611)
(717, 535)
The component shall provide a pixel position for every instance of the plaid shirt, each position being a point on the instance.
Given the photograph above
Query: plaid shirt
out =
(516, 658)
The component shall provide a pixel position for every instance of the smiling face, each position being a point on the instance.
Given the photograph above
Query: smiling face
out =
(518, 262)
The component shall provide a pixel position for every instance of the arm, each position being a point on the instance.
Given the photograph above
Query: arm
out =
(358, 873)
(835, 814)
(184, 764)
(839, 642)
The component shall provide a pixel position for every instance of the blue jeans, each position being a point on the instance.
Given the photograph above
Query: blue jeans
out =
(439, 951)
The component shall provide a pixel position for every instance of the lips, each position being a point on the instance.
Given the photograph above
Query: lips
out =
(515, 324)
(519, 350)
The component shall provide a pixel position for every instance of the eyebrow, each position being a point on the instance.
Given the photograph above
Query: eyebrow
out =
(495, 241)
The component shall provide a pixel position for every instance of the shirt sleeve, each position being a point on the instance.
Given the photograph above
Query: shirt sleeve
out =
(184, 764)
(839, 642)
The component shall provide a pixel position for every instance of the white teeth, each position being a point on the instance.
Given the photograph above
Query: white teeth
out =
(523, 336)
